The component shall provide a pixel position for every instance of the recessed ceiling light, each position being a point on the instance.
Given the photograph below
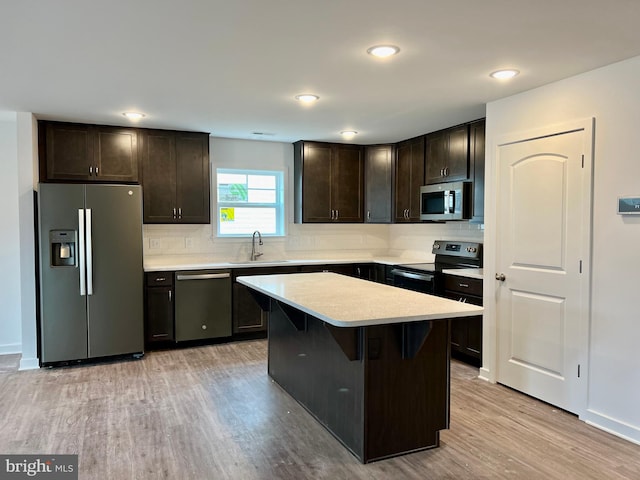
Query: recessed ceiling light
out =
(307, 97)
(383, 51)
(133, 115)
(348, 133)
(504, 74)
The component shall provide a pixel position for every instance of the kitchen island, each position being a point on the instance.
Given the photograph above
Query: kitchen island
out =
(369, 361)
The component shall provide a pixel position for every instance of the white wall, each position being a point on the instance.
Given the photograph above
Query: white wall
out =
(27, 180)
(612, 96)
(10, 312)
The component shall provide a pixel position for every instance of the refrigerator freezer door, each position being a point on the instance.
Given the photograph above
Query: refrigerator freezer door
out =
(63, 326)
(115, 305)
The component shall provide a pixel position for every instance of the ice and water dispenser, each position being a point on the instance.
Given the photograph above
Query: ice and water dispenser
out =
(63, 244)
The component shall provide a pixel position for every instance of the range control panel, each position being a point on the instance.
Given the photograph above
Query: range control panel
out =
(457, 249)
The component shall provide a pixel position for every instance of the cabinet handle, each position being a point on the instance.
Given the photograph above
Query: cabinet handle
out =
(442, 172)
(174, 212)
(160, 279)
(96, 171)
(368, 214)
(180, 212)
(463, 285)
(160, 335)
(446, 171)
(90, 170)
(170, 295)
(337, 214)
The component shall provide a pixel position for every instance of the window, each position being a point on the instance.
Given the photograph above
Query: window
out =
(250, 200)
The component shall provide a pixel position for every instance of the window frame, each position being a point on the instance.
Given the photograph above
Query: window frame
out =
(279, 205)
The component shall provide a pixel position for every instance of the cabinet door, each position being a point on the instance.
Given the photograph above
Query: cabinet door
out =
(458, 335)
(476, 165)
(409, 179)
(436, 158)
(457, 164)
(158, 176)
(116, 154)
(192, 177)
(316, 183)
(159, 314)
(417, 179)
(69, 151)
(447, 157)
(247, 314)
(403, 183)
(378, 172)
(474, 337)
(347, 196)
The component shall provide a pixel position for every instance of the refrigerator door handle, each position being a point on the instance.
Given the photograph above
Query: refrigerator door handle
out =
(81, 250)
(89, 255)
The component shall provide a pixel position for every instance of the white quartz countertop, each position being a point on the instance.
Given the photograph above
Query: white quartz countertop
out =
(465, 272)
(344, 301)
(171, 263)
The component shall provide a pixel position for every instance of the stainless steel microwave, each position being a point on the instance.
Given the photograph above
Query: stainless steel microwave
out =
(445, 201)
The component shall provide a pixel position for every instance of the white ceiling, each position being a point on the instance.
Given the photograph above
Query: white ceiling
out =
(233, 67)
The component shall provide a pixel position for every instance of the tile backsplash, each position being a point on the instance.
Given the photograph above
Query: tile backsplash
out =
(309, 241)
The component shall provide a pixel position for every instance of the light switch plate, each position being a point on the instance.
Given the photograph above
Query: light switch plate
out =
(188, 242)
(154, 243)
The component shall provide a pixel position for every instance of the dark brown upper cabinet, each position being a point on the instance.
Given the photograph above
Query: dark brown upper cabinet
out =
(409, 177)
(378, 183)
(87, 153)
(447, 155)
(328, 183)
(175, 176)
(476, 167)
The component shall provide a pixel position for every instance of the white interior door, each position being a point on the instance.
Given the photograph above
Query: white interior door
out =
(542, 306)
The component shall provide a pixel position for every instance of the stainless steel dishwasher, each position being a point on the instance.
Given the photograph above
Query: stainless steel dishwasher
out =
(203, 304)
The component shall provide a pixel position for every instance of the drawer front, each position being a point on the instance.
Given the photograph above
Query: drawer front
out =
(159, 279)
(465, 285)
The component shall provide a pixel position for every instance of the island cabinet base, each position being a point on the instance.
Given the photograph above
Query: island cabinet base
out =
(381, 390)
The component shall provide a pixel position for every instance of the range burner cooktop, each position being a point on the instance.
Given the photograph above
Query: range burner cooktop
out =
(450, 254)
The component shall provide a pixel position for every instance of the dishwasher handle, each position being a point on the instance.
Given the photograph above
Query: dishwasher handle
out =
(202, 276)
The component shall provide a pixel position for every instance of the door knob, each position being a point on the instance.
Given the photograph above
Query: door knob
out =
(500, 276)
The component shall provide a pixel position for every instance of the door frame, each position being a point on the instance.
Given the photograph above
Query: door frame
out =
(489, 370)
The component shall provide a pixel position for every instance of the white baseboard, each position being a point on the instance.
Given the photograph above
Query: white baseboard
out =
(485, 374)
(10, 348)
(29, 364)
(610, 425)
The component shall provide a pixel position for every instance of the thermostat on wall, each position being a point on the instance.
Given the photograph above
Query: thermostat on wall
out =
(629, 205)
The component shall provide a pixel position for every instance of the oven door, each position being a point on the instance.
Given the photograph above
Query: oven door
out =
(418, 282)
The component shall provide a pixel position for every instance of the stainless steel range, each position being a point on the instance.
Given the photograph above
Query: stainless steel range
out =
(427, 277)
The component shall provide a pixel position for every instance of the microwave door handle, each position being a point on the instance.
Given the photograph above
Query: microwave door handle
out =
(448, 201)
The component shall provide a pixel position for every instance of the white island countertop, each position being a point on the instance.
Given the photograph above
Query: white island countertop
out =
(345, 301)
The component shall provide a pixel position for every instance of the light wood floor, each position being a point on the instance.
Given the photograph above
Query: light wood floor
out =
(213, 413)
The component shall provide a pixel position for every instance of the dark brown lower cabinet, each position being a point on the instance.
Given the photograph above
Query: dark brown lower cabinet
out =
(248, 317)
(159, 310)
(466, 333)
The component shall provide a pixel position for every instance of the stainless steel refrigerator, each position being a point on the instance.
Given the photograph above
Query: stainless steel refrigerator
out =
(90, 271)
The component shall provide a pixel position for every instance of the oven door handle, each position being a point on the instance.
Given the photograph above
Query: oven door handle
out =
(411, 275)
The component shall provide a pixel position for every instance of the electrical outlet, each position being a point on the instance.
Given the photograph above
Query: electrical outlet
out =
(188, 242)
(154, 243)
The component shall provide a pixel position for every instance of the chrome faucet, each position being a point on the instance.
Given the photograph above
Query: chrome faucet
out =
(255, 254)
